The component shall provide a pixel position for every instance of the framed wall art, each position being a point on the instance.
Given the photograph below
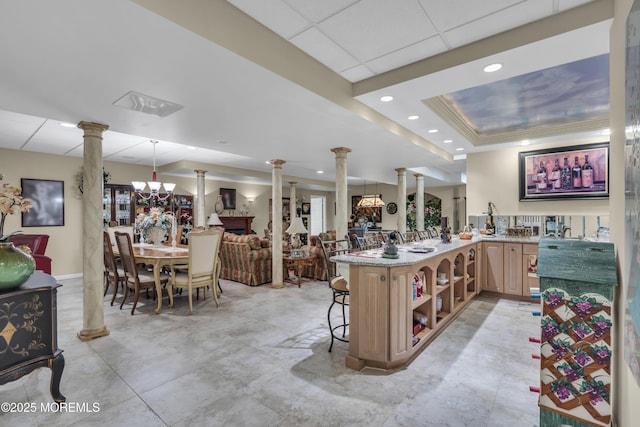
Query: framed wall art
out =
(47, 202)
(576, 172)
(228, 198)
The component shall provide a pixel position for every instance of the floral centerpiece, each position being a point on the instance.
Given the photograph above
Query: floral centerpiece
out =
(156, 220)
(11, 202)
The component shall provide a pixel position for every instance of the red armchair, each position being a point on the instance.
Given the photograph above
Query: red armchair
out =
(38, 244)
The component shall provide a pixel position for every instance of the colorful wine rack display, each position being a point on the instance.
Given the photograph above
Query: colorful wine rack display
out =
(577, 280)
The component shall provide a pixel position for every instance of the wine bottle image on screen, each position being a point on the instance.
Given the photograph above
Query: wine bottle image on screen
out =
(587, 173)
(576, 174)
(542, 177)
(565, 175)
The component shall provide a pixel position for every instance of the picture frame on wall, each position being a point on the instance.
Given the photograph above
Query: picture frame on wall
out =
(286, 211)
(47, 202)
(575, 172)
(306, 208)
(228, 198)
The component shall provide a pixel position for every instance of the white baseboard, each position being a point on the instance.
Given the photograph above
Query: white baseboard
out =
(68, 276)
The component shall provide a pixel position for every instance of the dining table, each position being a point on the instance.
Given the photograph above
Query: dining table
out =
(158, 256)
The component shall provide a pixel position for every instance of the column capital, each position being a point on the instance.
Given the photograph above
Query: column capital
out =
(418, 175)
(401, 171)
(341, 150)
(200, 171)
(277, 163)
(293, 183)
(93, 129)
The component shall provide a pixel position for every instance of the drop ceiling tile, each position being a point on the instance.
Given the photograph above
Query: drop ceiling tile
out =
(273, 14)
(16, 129)
(499, 22)
(316, 11)
(448, 14)
(407, 55)
(382, 27)
(570, 4)
(324, 50)
(357, 73)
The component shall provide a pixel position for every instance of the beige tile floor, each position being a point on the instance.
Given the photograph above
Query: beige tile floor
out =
(261, 359)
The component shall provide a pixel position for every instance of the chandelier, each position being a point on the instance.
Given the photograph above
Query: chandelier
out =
(154, 184)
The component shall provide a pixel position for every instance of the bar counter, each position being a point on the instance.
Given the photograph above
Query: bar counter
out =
(383, 332)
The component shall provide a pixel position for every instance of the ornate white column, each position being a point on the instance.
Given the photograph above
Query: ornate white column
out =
(201, 216)
(277, 279)
(92, 228)
(419, 202)
(342, 202)
(402, 199)
(292, 198)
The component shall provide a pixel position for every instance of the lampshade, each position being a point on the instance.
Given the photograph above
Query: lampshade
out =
(214, 219)
(370, 201)
(296, 227)
(154, 184)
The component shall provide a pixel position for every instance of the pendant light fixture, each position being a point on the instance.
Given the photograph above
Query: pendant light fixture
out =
(154, 184)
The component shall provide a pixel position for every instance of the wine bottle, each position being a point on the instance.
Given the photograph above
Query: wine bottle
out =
(565, 175)
(587, 173)
(555, 175)
(542, 177)
(576, 174)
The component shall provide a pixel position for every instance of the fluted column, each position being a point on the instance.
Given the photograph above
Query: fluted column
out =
(201, 216)
(402, 199)
(419, 202)
(292, 199)
(277, 279)
(92, 249)
(342, 202)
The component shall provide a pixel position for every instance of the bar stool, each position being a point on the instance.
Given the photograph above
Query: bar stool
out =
(339, 287)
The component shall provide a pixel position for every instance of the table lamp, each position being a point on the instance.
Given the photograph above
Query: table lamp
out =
(214, 221)
(295, 229)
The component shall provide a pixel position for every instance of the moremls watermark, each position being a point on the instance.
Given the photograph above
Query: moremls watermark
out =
(25, 407)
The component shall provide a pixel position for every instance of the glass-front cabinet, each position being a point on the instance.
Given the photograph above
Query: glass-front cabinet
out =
(117, 205)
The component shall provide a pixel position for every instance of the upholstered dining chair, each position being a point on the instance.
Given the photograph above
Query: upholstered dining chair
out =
(134, 279)
(203, 268)
(113, 274)
(338, 285)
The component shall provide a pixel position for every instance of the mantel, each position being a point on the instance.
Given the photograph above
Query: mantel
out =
(237, 224)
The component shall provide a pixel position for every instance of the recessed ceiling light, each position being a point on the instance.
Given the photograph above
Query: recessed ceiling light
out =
(413, 117)
(386, 98)
(459, 157)
(268, 162)
(448, 141)
(189, 147)
(492, 67)
(606, 132)
(319, 171)
(432, 130)
(67, 125)
(525, 142)
(459, 149)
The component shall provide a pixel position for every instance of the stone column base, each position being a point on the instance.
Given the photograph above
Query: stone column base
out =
(89, 334)
(275, 285)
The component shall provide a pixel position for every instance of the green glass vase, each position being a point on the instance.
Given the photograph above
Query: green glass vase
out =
(16, 266)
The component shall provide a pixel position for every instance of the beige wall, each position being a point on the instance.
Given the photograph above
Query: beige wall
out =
(493, 176)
